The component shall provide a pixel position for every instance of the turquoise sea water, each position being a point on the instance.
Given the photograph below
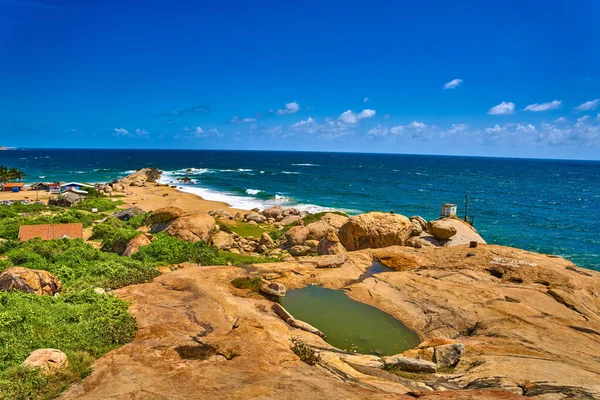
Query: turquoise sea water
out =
(549, 206)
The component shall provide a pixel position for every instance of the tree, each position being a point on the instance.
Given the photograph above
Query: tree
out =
(3, 174)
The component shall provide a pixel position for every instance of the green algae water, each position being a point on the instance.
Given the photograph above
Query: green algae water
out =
(348, 324)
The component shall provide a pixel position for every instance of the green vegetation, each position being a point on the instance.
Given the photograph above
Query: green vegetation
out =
(10, 174)
(15, 215)
(305, 353)
(244, 229)
(247, 283)
(102, 204)
(114, 233)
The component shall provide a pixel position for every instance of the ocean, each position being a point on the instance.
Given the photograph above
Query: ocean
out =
(548, 206)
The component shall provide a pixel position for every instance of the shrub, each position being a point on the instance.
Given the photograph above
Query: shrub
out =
(100, 203)
(247, 283)
(305, 353)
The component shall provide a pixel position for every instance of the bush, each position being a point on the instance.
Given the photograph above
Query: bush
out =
(12, 217)
(84, 325)
(102, 204)
(247, 283)
(305, 353)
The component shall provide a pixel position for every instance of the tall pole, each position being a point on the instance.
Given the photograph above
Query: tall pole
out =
(466, 208)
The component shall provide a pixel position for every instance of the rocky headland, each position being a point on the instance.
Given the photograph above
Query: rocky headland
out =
(494, 322)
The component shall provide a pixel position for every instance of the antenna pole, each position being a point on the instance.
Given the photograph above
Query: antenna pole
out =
(466, 208)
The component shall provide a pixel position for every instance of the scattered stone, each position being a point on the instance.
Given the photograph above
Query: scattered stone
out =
(421, 222)
(312, 244)
(273, 212)
(255, 217)
(330, 244)
(289, 220)
(99, 291)
(48, 360)
(300, 250)
(417, 229)
(107, 189)
(410, 364)
(332, 261)
(30, 281)
(220, 214)
(266, 240)
(272, 288)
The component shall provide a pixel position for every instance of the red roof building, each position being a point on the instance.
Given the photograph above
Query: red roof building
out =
(51, 231)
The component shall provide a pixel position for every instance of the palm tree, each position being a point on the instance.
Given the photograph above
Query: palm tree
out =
(15, 174)
(3, 174)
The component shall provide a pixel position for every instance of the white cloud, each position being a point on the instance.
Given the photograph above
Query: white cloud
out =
(237, 120)
(416, 125)
(502, 108)
(348, 117)
(141, 132)
(397, 130)
(290, 108)
(454, 83)
(366, 113)
(553, 105)
(305, 122)
(588, 105)
(121, 131)
(379, 130)
(198, 130)
(365, 99)
(458, 128)
(560, 119)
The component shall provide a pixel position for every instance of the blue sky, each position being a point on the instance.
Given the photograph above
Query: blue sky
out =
(510, 78)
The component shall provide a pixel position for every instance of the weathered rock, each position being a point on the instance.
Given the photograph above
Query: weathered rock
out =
(141, 176)
(331, 261)
(374, 230)
(448, 355)
(165, 214)
(299, 250)
(126, 215)
(137, 183)
(220, 214)
(441, 229)
(290, 219)
(254, 217)
(30, 281)
(222, 240)
(266, 240)
(329, 221)
(317, 230)
(416, 228)
(48, 360)
(297, 235)
(410, 364)
(465, 233)
(330, 244)
(193, 228)
(273, 212)
(107, 189)
(312, 244)
(134, 245)
(305, 326)
(272, 288)
(417, 242)
(420, 220)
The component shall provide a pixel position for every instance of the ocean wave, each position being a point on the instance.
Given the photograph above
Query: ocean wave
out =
(290, 172)
(306, 165)
(253, 191)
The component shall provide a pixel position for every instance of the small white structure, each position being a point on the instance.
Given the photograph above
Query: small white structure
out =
(448, 210)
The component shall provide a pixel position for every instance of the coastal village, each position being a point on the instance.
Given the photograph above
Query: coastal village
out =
(204, 286)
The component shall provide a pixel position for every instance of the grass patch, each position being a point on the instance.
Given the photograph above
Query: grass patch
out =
(244, 229)
(102, 204)
(247, 283)
(114, 233)
(305, 353)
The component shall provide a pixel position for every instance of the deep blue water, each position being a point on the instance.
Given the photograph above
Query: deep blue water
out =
(549, 206)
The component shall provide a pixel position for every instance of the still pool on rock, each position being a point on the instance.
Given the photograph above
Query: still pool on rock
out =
(348, 324)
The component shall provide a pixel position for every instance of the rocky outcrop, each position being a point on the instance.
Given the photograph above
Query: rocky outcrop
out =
(126, 215)
(273, 212)
(30, 281)
(163, 215)
(330, 221)
(134, 244)
(48, 360)
(272, 288)
(193, 227)
(222, 240)
(253, 216)
(374, 230)
(410, 364)
(220, 214)
(141, 177)
(300, 250)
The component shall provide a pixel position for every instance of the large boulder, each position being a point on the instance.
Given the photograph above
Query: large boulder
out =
(375, 230)
(441, 229)
(222, 240)
(141, 176)
(417, 229)
(329, 221)
(290, 219)
(48, 360)
(220, 214)
(30, 281)
(299, 250)
(448, 355)
(163, 215)
(273, 212)
(253, 216)
(126, 215)
(420, 220)
(464, 233)
(330, 244)
(193, 227)
(272, 288)
(297, 235)
(134, 244)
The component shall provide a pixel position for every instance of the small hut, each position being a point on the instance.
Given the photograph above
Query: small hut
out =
(67, 199)
(12, 186)
(448, 210)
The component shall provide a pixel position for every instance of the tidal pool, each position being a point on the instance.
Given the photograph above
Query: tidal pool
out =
(348, 324)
